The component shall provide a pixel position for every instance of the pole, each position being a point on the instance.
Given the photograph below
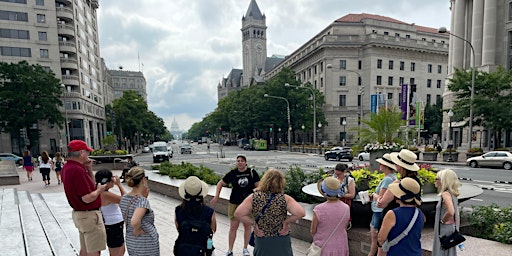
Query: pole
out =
(289, 121)
(314, 108)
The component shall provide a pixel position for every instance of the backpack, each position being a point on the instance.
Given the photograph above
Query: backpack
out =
(193, 238)
(58, 164)
(345, 185)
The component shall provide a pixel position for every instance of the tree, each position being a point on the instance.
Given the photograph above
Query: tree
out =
(381, 127)
(28, 95)
(433, 119)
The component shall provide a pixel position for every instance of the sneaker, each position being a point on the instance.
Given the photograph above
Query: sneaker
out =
(246, 252)
(229, 253)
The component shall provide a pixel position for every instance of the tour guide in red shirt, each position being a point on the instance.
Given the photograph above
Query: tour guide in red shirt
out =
(84, 197)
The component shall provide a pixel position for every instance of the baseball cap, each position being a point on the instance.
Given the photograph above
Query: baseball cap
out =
(77, 145)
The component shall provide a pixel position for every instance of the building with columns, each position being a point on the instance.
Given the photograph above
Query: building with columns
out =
(360, 55)
(487, 27)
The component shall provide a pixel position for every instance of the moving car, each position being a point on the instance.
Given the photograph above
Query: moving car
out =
(492, 159)
(185, 148)
(161, 152)
(8, 156)
(339, 153)
(146, 150)
(363, 156)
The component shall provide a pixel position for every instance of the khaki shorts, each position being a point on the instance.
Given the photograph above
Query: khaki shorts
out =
(232, 209)
(91, 229)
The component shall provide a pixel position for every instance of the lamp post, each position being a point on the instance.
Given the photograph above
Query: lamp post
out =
(289, 122)
(303, 133)
(320, 137)
(63, 86)
(344, 123)
(450, 142)
(444, 30)
(314, 106)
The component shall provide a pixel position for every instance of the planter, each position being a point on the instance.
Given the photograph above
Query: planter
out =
(455, 156)
(363, 185)
(429, 156)
(374, 155)
(429, 188)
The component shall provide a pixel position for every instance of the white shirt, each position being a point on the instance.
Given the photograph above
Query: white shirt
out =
(43, 165)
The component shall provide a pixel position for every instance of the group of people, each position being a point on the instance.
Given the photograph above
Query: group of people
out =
(46, 164)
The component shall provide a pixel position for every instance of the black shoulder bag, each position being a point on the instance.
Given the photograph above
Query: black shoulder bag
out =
(456, 237)
(251, 239)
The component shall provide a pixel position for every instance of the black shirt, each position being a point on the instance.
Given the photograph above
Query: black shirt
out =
(242, 183)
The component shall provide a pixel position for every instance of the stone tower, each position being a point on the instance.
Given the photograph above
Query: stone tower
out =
(254, 43)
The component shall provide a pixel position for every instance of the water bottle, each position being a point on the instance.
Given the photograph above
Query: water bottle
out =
(461, 247)
(209, 243)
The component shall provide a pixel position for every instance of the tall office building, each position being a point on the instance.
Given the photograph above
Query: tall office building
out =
(123, 80)
(486, 26)
(61, 36)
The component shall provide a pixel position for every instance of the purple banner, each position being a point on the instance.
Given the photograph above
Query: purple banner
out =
(403, 103)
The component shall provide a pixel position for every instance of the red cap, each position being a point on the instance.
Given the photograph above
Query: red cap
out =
(77, 145)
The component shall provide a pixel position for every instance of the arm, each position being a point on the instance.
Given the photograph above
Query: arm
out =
(296, 211)
(388, 223)
(214, 200)
(386, 198)
(351, 190)
(214, 222)
(136, 221)
(244, 209)
(110, 197)
(314, 224)
(91, 197)
(117, 181)
(88, 168)
(448, 205)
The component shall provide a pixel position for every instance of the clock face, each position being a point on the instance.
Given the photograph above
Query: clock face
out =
(259, 48)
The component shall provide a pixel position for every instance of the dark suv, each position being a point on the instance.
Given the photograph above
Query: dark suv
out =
(339, 153)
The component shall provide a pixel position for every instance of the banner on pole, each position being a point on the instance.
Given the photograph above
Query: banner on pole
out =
(373, 106)
(403, 102)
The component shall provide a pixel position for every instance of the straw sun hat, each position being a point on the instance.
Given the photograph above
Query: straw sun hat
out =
(407, 190)
(406, 159)
(386, 160)
(329, 187)
(193, 187)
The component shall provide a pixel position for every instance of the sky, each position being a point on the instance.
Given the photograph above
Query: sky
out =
(185, 47)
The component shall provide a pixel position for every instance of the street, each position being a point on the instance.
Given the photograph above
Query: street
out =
(486, 178)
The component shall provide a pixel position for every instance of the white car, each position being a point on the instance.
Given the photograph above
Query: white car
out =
(146, 150)
(363, 156)
(492, 159)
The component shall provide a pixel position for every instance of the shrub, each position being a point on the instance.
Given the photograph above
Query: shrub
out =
(475, 150)
(502, 149)
(296, 179)
(429, 149)
(448, 150)
(102, 152)
(492, 223)
(413, 149)
(185, 170)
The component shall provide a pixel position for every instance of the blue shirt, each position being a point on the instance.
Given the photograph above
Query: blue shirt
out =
(384, 183)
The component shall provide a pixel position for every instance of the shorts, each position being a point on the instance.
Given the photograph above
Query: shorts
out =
(58, 169)
(115, 236)
(376, 220)
(29, 168)
(232, 209)
(91, 230)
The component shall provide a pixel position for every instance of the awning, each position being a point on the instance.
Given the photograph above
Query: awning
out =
(459, 124)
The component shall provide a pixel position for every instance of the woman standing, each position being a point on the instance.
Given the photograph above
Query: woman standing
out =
(45, 166)
(348, 184)
(447, 213)
(193, 191)
(112, 217)
(271, 231)
(58, 162)
(141, 235)
(28, 164)
(396, 221)
(331, 216)
(388, 168)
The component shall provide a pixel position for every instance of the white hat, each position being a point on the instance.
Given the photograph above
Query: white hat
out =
(406, 159)
(386, 160)
(193, 187)
(407, 190)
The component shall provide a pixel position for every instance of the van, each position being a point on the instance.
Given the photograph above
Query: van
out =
(161, 152)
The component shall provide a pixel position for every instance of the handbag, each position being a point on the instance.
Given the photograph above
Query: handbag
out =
(315, 250)
(455, 238)
(251, 238)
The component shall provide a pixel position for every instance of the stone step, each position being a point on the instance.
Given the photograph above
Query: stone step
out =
(10, 225)
(36, 238)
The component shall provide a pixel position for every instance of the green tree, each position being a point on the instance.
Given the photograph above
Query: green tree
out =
(433, 119)
(28, 95)
(382, 127)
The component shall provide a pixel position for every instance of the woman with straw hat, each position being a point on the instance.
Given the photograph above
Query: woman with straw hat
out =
(401, 228)
(329, 217)
(387, 166)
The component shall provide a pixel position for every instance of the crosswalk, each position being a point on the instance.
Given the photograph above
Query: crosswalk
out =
(498, 186)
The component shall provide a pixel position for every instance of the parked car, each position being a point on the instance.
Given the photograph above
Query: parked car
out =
(339, 153)
(363, 156)
(492, 159)
(146, 150)
(185, 148)
(8, 156)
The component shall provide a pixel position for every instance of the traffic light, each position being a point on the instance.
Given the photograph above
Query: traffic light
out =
(271, 127)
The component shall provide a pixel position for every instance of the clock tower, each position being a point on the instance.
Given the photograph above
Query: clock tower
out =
(254, 43)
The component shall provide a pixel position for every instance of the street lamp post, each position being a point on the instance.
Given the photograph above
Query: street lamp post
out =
(289, 122)
(63, 86)
(450, 142)
(320, 136)
(344, 123)
(314, 106)
(303, 133)
(444, 30)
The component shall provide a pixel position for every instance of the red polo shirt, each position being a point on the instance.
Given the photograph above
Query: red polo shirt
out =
(77, 183)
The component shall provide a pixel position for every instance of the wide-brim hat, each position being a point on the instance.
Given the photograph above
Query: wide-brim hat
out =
(406, 159)
(193, 187)
(386, 160)
(407, 190)
(329, 187)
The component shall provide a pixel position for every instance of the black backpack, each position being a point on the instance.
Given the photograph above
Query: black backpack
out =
(192, 238)
(58, 164)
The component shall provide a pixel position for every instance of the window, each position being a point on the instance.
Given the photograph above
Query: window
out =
(343, 80)
(359, 80)
(386, 33)
(510, 11)
(343, 136)
(15, 1)
(359, 100)
(429, 83)
(390, 80)
(413, 66)
(438, 84)
(439, 69)
(438, 99)
(379, 63)
(390, 64)
(43, 53)
(15, 51)
(41, 18)
(402, 65)
(40, 2)
(379, 80)
(411, 81)
(343, 64)
(17, 16)
(397, 34)
(390, 95)
(428, 99)
(343, 100)
(42, 36)
(14, 33)
(408, 36)
(429, 68)
(359, 65)
(314, 69)
(401, 81)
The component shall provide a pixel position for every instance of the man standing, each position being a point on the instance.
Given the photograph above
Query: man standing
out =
(243, 180)
(84, 197)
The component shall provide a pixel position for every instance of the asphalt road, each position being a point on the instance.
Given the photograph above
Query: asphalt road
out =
(496, 183)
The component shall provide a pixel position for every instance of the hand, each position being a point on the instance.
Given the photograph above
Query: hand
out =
(214, 200)
(258, 232)
(285, 230)
(145, 192)
(117, 180)
(379, 203)
(88, 164)
(138, 232)
(101, 187)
